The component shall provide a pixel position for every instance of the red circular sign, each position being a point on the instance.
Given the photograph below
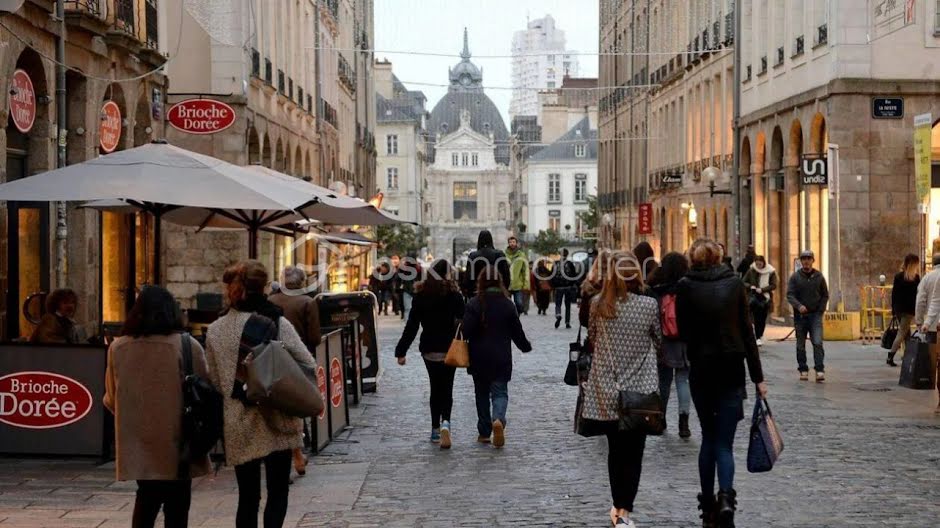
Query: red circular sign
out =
(321, 386)
(201, 116)
(22, 101)
(336, 382)
(42, 400)
(109, 132)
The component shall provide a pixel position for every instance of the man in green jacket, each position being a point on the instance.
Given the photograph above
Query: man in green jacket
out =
(518, 272)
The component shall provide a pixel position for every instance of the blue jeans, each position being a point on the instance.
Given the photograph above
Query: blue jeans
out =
(718, 428)
(683, 392)
(406, 304)
(812, 324)
(517, 300)
(564, 294)
(495, 393)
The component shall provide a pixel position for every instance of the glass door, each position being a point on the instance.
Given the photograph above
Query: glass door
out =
(127, 250)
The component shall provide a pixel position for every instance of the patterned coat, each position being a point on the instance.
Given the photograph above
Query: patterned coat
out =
(248, 435)
(624, 356)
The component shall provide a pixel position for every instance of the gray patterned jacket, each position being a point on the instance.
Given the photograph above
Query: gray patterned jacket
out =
(624, 358)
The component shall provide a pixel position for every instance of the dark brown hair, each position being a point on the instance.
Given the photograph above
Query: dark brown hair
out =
(488, 278)
(57, 297)
(243, 279)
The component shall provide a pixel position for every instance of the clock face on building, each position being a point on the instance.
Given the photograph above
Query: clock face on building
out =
(465, 79)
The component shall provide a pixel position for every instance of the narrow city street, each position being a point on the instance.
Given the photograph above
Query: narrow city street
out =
(859, 451)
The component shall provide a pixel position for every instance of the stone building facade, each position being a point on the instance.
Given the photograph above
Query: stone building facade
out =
(540, 61)
(112, 51)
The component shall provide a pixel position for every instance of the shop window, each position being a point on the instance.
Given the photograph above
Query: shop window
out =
(465, 200)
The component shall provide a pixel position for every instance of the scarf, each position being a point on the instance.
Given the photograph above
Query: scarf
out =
(763, 277)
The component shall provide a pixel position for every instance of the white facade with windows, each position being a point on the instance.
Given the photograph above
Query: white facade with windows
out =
(540, 61)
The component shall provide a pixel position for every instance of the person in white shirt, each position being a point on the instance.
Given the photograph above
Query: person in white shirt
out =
(927, 310)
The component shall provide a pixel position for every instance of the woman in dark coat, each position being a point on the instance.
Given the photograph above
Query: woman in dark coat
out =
(647, 259)
(490, 325)
(57, 325)
(437, 307)
(904, 301)
(673, 363)
(714, 322)
(542, 286)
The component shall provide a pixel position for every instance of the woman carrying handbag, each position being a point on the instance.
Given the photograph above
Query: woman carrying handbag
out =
(903, 302)
(624, 331)
(436, 307)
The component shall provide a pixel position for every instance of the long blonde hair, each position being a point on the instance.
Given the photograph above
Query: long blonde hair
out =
(911, 267)
(622, 277)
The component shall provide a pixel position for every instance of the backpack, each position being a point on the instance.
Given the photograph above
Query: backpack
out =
(667, 315)
(202, 413)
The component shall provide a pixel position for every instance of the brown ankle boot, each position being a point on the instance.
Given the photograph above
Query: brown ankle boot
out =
(709, 511)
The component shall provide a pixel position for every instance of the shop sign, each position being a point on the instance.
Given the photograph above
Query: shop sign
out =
(109, 132)
(887, 108)
(201, 116)
(645, 221)
(814, 170)
(671, 178)
(22, 101)
(336, 382)
(321, 386)
(42, 400)
(923, 125)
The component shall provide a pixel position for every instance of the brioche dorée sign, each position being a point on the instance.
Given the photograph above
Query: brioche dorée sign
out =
(336, 382)
(201, 116)
(321, 386)
(109, 132)
(42, 400)
(22, 101)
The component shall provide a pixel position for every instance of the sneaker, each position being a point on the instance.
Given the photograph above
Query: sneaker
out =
(435, 435)
(804, 376)
(445, 435)
(820, 377)
(624, 523)
(760, 342)
(557, 322)
(483, 439)
(499, 434)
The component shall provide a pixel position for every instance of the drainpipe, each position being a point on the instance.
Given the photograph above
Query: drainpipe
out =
(319, 94)
(61, 214)
(736, 148)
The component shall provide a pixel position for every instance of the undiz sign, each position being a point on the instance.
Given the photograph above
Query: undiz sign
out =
(201, 116)
(42, 400)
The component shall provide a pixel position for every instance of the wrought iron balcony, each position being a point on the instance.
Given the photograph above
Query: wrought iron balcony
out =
(124, 16)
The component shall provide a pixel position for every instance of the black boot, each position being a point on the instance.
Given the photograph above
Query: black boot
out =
(891, 360)
(727, 504)
(709, 511)
(684, 426)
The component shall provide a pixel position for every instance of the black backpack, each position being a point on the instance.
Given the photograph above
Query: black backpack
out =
(202, 413)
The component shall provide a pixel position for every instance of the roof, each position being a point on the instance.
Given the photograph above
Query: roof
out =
(563, 149)
(407, 108)
(485, 119)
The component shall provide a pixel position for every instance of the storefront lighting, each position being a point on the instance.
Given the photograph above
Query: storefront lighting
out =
(711, 175)
(693, 216)
(80, 131)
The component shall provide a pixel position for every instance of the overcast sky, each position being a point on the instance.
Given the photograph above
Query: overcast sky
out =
(437, 26)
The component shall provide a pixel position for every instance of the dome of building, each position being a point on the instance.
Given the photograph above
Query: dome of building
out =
(466, 93)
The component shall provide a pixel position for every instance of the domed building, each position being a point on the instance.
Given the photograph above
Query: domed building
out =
(469, 179)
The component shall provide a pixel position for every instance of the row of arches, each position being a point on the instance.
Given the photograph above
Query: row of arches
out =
(279, 155)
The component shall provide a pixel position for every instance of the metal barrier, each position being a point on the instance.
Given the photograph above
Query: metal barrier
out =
(876, 312)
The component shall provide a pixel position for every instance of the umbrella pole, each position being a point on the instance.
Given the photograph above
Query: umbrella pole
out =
(253, 243)
(157, 248)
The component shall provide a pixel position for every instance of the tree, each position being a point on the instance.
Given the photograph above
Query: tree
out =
(547, 242)
(590, 217)
(399, 239)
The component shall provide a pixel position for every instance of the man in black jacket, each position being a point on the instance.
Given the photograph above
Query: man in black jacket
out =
(808, 294)
(485, 255)
(564, 282)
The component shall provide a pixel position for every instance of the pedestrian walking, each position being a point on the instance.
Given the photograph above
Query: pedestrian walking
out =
(438, 307)
(486, 256)
(491, 325)
(304, 315)
(527, 293)
(761, 280)
(564, 281)
(625, 334)
(749, 257)
(673, 364)
(379, 284)
(713, 319)
(647, 259)
(143, 388)
(518, 273)
(808, 294)
(904, 302)
(409, 274)
(542, 286)
(927, 309)
(254, 435)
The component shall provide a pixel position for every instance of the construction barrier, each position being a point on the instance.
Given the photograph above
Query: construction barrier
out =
(842, 326)
(875, 312)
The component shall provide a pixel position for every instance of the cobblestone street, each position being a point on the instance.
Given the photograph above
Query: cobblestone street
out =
(860, 451)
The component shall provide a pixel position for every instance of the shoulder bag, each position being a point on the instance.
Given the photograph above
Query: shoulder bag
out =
(640, 411)
(202, 423)
(458, 355)
(890, 334)
(766, 444)
(575, 350)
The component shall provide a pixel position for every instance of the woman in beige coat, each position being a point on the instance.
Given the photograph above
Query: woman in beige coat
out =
(143, 386)
(253, 435)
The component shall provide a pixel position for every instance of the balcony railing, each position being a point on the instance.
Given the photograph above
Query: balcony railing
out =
(822, 34)
(150, 15)
(347, 75)
(124, 16)
(135, 18)
(97, 8)
(255, 63)
(268, 71)
(799, 46)
(281, 84)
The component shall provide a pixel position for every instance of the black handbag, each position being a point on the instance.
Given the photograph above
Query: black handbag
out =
(891, 333)
(766, 444)
(642, 412)
(575, 350)
(919, 366)
(758, 301)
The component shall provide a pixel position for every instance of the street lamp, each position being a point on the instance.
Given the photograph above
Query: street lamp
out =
(711, 174)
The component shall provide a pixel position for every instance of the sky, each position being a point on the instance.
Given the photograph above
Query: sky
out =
(437, 26)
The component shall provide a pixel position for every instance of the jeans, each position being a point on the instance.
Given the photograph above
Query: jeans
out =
(495, 393)
(683, 392)
(718, 429)
(564, 294)
(526, 300)
(517, 300)
(442, 391)
(812, 324)
(277, 476)
(383, 297)
(759, 314)
(904, 332)
(624, 466)
(173, 495)
(406, 299)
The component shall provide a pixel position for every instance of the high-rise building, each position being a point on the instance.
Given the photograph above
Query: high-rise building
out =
(540, 61)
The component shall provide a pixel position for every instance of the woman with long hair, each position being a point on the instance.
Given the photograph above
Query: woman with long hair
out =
(673, 362)
(542, 286)
(714, 322)
(625, 333)
(254, 435)
(761, 280)
(437, 307)
(904, 301)
(490, 325)
(143, 390)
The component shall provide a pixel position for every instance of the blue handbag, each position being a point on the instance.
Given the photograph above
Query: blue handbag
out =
(766, 443)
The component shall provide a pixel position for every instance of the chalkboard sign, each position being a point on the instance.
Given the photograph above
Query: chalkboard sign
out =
(887, 108)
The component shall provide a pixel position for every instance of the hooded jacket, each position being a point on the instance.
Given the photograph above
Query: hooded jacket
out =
(518, 270)
(753, 278)
(485, 255)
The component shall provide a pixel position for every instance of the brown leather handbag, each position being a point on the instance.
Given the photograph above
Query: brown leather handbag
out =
(458, 355)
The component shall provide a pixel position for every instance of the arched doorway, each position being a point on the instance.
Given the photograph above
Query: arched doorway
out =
(298, 164)
(309, 167)
(775, 218)
(814, 201)
(280, 159)
(254, 146)
(28, 152)
(266, 156)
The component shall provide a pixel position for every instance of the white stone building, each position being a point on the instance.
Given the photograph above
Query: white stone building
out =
(540, 61)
